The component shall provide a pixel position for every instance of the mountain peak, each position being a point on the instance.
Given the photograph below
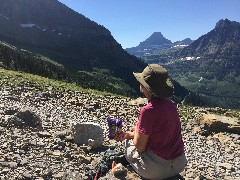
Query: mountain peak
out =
(225, 22)
(155, 39)
(157, 34)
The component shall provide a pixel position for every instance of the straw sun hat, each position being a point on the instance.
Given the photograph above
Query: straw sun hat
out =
(155, 79)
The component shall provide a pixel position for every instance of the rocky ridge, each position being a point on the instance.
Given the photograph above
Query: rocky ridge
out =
(222, 41)
(45, 150)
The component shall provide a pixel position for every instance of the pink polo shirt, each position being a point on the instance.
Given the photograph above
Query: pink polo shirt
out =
(160, 120)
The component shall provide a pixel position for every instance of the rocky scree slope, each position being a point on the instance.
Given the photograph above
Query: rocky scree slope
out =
(43, 149)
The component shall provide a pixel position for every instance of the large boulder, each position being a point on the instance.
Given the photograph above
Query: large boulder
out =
(89, 134)
(26, 118)
(214, 123)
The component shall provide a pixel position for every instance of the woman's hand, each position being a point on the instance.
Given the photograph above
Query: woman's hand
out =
(133, 128)
(129, 135)
(124, 135)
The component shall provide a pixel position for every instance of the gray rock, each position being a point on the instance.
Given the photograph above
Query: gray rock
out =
(44, 134)
(86, 133)
(10, 111)
(72, 176)
(27, 175)
(26, 118)
(23, 161)
(5, 171)
(12, 164)
(85, 159)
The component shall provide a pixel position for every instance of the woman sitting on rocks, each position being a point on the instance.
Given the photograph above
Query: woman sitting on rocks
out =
(154, 147)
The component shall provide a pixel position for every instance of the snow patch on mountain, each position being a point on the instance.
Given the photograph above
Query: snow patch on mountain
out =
(190, 58)
(27, 25)
(180, 45)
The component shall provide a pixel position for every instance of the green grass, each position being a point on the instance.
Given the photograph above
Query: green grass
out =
(15, 78)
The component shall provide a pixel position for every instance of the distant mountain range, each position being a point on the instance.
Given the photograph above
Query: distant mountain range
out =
(49, 39)
(209, 66)
(156, 44)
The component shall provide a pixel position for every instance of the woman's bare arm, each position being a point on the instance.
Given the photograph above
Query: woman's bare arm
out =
(140, 141)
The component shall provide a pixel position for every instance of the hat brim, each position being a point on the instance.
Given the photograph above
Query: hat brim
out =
(164, 91)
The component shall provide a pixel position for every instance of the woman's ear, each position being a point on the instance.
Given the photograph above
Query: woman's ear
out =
(141, 88)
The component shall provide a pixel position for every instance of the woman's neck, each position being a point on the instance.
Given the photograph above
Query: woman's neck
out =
(151, 97)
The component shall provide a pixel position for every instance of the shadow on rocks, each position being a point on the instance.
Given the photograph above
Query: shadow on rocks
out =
(26, 118)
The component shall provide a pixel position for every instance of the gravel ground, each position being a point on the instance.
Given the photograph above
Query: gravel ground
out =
(45, 150)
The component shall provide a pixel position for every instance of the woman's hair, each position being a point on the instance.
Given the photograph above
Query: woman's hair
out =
(153, 95)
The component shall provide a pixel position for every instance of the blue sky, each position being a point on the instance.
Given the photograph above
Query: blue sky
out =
(132, 21)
